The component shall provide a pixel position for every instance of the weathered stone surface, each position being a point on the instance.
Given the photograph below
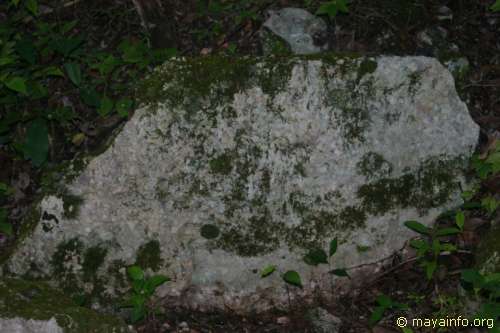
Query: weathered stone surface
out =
(34, 307)
(21, 325)
(236, 164)
(304, 32)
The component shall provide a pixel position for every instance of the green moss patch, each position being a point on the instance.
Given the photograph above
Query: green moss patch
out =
(149, 256)
(37, 300)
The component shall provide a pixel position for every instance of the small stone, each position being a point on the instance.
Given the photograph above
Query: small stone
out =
(323, 321)
(283, 320)
(304, 32)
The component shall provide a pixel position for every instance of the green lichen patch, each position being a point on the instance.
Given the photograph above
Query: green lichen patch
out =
(71, 205)
(373, 165)
(209, 231)
(93, 259)
(37, 300)
(222, 164)
(66, 262)
(429, 187)
(149, 256)
(367, 66)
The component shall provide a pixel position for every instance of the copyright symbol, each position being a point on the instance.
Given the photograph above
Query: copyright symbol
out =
(402, 322)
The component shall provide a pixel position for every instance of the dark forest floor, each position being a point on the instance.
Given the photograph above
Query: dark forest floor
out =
(370, 27)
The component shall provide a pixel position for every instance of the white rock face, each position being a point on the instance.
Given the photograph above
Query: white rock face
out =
(20, 325)
(245, 163)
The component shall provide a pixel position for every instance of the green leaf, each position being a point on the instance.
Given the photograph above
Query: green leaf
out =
(6, 228)
(138, 313)
(339, 272)
(496, 6)
(26, 49)
(53, 71)
(90, 97)
(460, 220)
(333, 247)
(417, 227)
(18, 84)
(407, 330)
(268, 271)
(376, 315)
(154, 282)
(32, 6)
(315, 257)
(430, 268)
(74, 73)
(384, 301)
(123, 106)
(331, 8)
(106, 106)
(36, 146)
(66, 46)
(447, 231)
(474, 277)
(135, 273)
(293, 278)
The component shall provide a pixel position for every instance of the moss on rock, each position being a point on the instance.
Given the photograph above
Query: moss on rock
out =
(37, 300)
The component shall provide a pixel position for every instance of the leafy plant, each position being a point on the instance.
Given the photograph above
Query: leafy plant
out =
(331, 8)
(318, 256)
(384, 303)
(496, 6)
(430, 248)
(142, 290)
(485, 289)
(290, 277)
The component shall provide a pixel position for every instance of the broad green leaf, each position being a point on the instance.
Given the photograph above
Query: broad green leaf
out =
(32, 6)
(333, 247)
(135, 273)
(36, 145)
(447, 232)
(315, 257)
(53, 71)
(154, 282)
(138, 313)
(137, 300)
(417, 227)
(6, 228)
(339, 272)
(496, 6)
(376, 315)
(90, 97)
(105, 107)
(68, 26)
(293, 278)
(331, 8)
(74, 73)
(430, 268)
(66, 46)
(18, 84)
(123, 106)
(384, 300)
(460, 220)
(268, 271)
(474, 277)
(26, 49)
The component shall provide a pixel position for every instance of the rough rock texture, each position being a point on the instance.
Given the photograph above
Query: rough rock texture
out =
(20, 325)
(323, 321)
(304, 32)
(34, 307)
(236, 164)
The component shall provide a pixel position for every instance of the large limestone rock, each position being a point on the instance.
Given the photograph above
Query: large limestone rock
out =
(235, 164)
